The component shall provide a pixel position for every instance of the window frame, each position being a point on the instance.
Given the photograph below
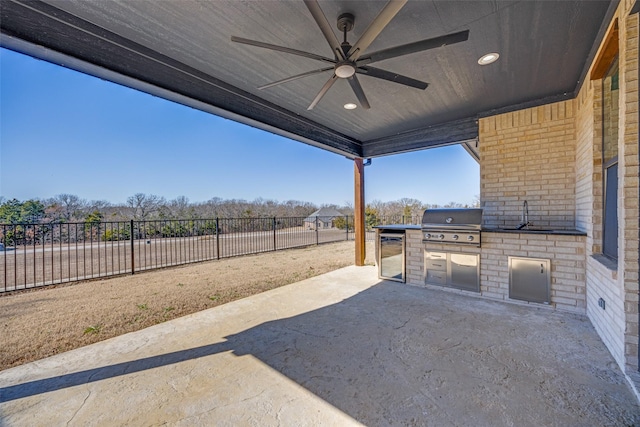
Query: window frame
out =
(610, 226)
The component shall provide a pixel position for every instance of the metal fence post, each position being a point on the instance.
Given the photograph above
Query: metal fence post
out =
(217, 237)
(274, 233)
(4, 253)
(133, 258)
(346, 225)
(317, 237)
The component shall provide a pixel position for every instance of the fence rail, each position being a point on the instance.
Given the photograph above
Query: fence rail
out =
(34, 255)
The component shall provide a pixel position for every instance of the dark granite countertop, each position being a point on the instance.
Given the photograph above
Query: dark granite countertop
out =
(396, 227)
(535, 230)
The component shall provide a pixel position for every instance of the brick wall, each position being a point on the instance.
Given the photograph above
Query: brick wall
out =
(615, 282)
(608, 322)
(529, 155)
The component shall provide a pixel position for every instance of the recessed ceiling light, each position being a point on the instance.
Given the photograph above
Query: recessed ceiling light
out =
(488, 58)
(350, 106)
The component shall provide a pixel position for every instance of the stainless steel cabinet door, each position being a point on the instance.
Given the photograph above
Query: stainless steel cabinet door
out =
(529, 279)
(464, 271)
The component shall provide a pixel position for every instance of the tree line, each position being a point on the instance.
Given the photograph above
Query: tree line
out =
(140, 206)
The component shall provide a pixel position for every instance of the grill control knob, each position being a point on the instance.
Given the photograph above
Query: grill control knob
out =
(441, 237)
(454, 237)
(427, 235)
(470, 238)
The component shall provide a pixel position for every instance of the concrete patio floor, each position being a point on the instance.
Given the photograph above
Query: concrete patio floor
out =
(339, 349)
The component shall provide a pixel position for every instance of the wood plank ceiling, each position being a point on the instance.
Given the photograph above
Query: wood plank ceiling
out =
(182, 50)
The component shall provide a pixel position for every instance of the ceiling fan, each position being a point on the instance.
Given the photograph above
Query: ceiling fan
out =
(350, 60)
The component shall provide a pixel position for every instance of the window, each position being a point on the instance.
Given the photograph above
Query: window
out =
(610, 110)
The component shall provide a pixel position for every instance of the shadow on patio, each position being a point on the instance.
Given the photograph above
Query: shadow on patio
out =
(335, 349)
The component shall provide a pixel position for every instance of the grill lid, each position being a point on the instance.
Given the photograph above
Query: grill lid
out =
(452, 218)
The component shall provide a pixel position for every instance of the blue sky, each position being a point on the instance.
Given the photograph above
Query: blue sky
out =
(66, 132)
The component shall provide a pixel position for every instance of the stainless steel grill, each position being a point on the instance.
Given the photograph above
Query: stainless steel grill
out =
(455, 226)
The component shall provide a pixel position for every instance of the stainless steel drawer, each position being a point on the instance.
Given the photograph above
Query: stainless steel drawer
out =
(435, 256)
(436, 264)
(436, 277)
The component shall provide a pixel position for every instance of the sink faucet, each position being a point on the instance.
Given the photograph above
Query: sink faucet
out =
(525, 216)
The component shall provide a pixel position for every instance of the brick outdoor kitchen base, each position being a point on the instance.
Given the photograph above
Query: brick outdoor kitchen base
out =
(568, 286)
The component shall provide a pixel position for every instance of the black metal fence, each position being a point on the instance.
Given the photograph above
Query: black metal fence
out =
(34, 255)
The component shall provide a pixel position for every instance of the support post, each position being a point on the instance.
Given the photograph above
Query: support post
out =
(358, 211)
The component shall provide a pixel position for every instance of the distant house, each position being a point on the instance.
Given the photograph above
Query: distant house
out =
(324, 217)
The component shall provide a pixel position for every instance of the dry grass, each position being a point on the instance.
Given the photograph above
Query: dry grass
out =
(49, 321)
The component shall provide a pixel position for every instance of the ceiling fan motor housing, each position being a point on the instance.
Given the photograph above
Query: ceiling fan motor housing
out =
(345, 22)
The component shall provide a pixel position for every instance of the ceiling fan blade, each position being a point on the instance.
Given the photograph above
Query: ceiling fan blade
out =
(281, 49)
(357, 89)
(324, 90)
(375, 28)
(296, 77)
(418, 46)
(392, 77)
(325, 27)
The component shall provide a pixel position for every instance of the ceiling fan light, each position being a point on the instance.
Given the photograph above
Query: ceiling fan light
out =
(350, 106)
(489, 58)
(345, 71)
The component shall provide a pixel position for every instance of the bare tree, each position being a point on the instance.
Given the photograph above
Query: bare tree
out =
(411, 208)
(103, 207)
(299, 209)
(180, 208)
(144, 205)
(66, 207)
(98, 205)
(454, 205)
